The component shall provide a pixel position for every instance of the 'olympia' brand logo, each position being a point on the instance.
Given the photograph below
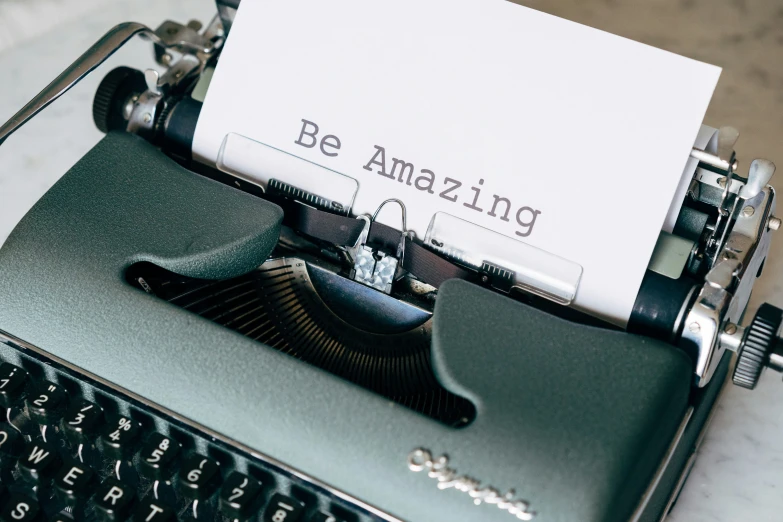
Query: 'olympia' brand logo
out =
(438, 468)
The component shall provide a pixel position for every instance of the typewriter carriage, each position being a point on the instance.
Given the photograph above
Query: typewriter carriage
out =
(729, 218)
(731, 240)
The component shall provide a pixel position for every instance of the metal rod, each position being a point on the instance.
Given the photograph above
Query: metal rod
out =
(713, 160)
(86, 63)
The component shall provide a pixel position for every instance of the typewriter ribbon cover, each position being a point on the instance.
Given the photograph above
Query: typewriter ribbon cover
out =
(544, 137)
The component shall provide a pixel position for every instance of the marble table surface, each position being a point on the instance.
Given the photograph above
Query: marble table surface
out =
(739, 473)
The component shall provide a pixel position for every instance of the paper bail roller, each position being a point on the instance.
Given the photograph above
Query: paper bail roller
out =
(522, 266)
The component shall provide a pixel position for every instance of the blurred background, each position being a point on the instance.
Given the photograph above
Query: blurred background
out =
(739, 473)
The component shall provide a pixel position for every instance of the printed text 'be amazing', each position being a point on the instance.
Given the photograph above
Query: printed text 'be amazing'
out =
(426, 181)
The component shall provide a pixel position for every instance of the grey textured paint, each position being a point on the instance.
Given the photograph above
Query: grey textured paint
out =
(574, 418)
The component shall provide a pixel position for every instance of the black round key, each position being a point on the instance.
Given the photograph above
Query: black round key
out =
(19, 508)
(157, 456)
(73, 482)
(38, 463)
(283, 509)
(119, 436)
(113, 501)
(81, 421)
(12, 381)
(11, 441)
(152, 510)
(46, 402)
(199, 476)
(239, 496)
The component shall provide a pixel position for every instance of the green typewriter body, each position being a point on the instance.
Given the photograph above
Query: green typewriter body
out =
(177, 345)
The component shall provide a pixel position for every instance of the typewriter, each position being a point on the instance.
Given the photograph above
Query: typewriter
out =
(179, 343)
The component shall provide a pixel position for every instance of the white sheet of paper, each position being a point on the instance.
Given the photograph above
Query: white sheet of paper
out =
(590, 130)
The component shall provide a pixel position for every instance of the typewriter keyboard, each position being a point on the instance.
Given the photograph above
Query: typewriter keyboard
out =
(73, 448)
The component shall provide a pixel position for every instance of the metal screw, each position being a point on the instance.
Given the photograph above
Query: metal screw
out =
(730, 329)
(147, 117)
(694, 327)
(166, 58)
(774, 223)
(748, 211)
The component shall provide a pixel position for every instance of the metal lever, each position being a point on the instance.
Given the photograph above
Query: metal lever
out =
(761, 171)
(727, 139)
(85, 64)
(405, 232)
(724, 160)
(152, 79)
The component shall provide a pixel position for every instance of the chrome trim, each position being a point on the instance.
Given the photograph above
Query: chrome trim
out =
(727, 286)
(680, 483)
(5, 336)
(648, 493)
(696, 447)
(686, 304)
(73, 74)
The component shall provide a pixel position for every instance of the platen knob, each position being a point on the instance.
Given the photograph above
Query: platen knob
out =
(110, 107)
(761, 346)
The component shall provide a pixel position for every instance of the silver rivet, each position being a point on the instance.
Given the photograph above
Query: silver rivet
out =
(694, 327)
(748, 211)
(166, 58)
(147, 117)
(774, 223)
(730, 329)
